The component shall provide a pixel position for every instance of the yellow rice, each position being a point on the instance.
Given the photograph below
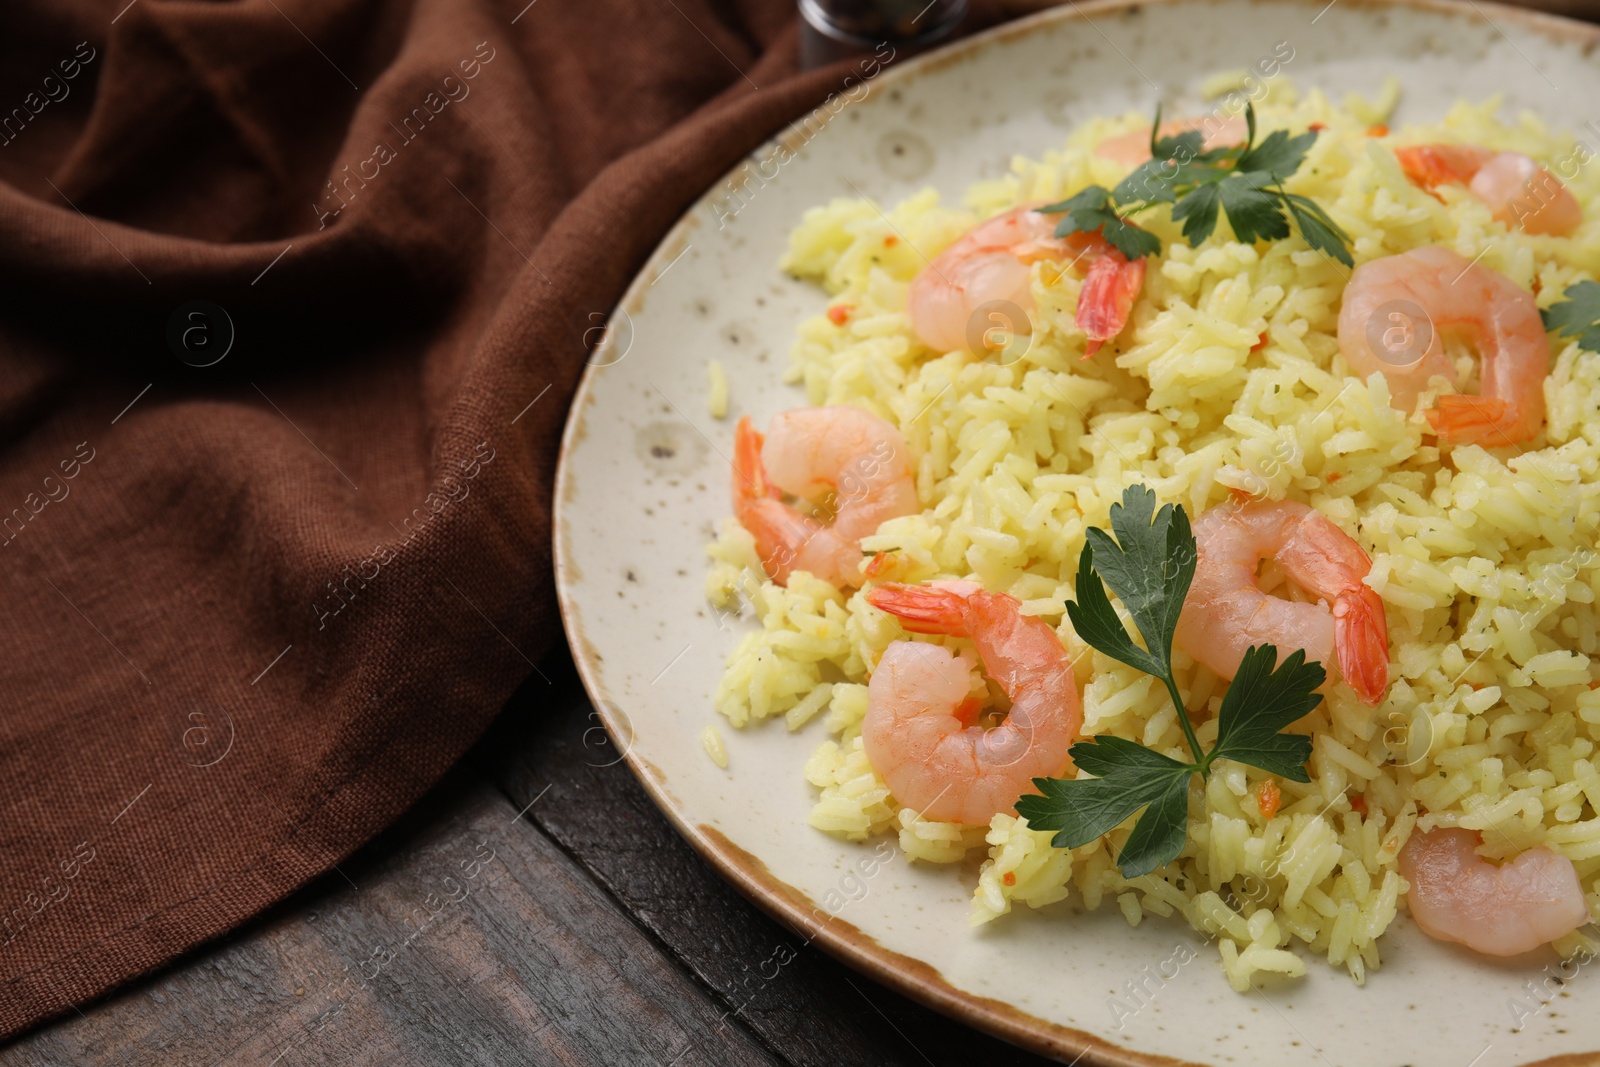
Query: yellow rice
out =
(1484, 558)
(717, 398)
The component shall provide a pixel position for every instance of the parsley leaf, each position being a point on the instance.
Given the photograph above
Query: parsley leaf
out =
(1252, 211)
(1086, 210)
(1149, 564)
(1185, 145)
(1278, 154)
(1198, 213)
(1577, 315)
(1151, 182)
(1260, 702)
(1129, 776)
(1244, 181)
(1158, 837)
(1130, 240)
(1317, 229)
(1091, 210)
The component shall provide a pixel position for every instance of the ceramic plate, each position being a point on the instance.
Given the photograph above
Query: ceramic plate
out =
(644, 482)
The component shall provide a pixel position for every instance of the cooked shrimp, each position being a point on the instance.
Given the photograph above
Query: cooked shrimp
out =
(964, 292)
(1132, 149)
(1517, 191)
(1456, 895)
(920, 732)
(1394, 309)
(813, 453)
(1226, 612)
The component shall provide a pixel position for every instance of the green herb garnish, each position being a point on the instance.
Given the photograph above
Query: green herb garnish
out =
(1149, 566)
(1577, 315)
(1244, 181)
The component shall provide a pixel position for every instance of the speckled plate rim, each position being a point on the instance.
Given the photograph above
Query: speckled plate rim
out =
(842, 940)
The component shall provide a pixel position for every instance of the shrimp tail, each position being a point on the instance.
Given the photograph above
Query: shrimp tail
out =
(749, 476)
(1106, 299)
(923, 609)
(1433, 165)
(1362, 643)
(755, 504)
(1461, 418)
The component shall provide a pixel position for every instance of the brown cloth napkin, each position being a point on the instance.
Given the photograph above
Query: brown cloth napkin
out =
(293, 295)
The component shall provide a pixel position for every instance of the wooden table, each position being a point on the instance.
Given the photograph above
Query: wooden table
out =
(534, 908)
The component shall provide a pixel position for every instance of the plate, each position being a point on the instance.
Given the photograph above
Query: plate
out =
(643, 483)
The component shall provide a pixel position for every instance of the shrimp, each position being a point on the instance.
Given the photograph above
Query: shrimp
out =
(1226, 612)
(1394, 309)
(1132, 149)
(984, 280)
(811, 453)
(1456, 895)
(1517, 191)
(920, 731)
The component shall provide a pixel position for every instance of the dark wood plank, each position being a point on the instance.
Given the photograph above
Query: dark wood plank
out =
(466, 936)
(818, 1012)
(592, 935)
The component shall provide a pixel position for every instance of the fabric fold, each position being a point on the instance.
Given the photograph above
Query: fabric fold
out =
(288, 337)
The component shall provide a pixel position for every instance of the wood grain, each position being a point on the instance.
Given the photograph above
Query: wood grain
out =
(535, 908)
(476, 941)
(804, 1005)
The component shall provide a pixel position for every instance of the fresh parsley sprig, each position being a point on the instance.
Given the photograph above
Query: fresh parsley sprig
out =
(1244, 181)
(1149, 566)
(1577, 315)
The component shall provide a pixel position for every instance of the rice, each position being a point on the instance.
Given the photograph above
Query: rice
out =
(717, 397)
(711, 741)
(1484, 558)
